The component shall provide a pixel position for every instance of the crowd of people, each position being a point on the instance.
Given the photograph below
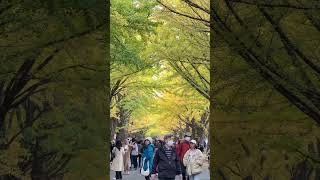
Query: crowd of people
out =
(162, 158)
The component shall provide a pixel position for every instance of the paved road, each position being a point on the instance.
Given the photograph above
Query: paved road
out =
(134, 175)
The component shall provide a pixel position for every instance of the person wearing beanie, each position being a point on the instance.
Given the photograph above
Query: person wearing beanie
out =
(181, 149)
(193, 160)
(166, 161)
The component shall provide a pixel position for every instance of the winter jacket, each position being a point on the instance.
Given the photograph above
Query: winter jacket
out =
(193, 162)
(117, 163)
(182, 148)
(166, 168)
(148, 152)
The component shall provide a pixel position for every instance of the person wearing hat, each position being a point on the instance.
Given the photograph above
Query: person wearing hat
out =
(166, 161)
(181, 149)
(193, 160)
(147, 156)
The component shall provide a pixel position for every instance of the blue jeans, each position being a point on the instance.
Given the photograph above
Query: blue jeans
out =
(134, 161)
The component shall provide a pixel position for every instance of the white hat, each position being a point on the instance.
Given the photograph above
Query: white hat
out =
(193, 141)
(149, 139)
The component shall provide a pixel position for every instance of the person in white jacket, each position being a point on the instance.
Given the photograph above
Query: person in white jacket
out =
(193, 160)
(134, 154)
(117, 163)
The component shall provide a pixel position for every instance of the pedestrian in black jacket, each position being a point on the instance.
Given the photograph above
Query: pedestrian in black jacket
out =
(166, 161)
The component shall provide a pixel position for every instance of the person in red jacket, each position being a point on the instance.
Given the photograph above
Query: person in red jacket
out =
(181, 150)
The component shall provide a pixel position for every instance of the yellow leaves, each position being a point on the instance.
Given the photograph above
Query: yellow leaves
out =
(156, 132)
(176, 97)
(138, 37)
(113, 111)
(146, 120)
(157, 95)
(168, 107)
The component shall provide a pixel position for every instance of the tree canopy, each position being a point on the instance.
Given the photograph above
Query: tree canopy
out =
(158, 86)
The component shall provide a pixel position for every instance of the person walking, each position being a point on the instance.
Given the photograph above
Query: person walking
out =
(117, 163)
(134, 153)
(193, 160)
(140, 147)
(147, 156)
(181, 149)
(127, 158)
(166, 161)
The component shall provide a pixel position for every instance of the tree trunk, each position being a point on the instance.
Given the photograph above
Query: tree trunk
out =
(114, 125)
(2, 120)
(37, 169)
(123, 121)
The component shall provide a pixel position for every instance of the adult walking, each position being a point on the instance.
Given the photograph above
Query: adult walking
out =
(127, 158)
(134, 153)
(193, 160)
(117, 162)
(166, 161)
(147, 156)
(181, 149)
(140, 147)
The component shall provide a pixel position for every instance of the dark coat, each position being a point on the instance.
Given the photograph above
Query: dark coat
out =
(166, 168)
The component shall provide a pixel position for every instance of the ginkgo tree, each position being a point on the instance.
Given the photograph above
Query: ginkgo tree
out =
(167, 103)
(130, 29)
(160, 74)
